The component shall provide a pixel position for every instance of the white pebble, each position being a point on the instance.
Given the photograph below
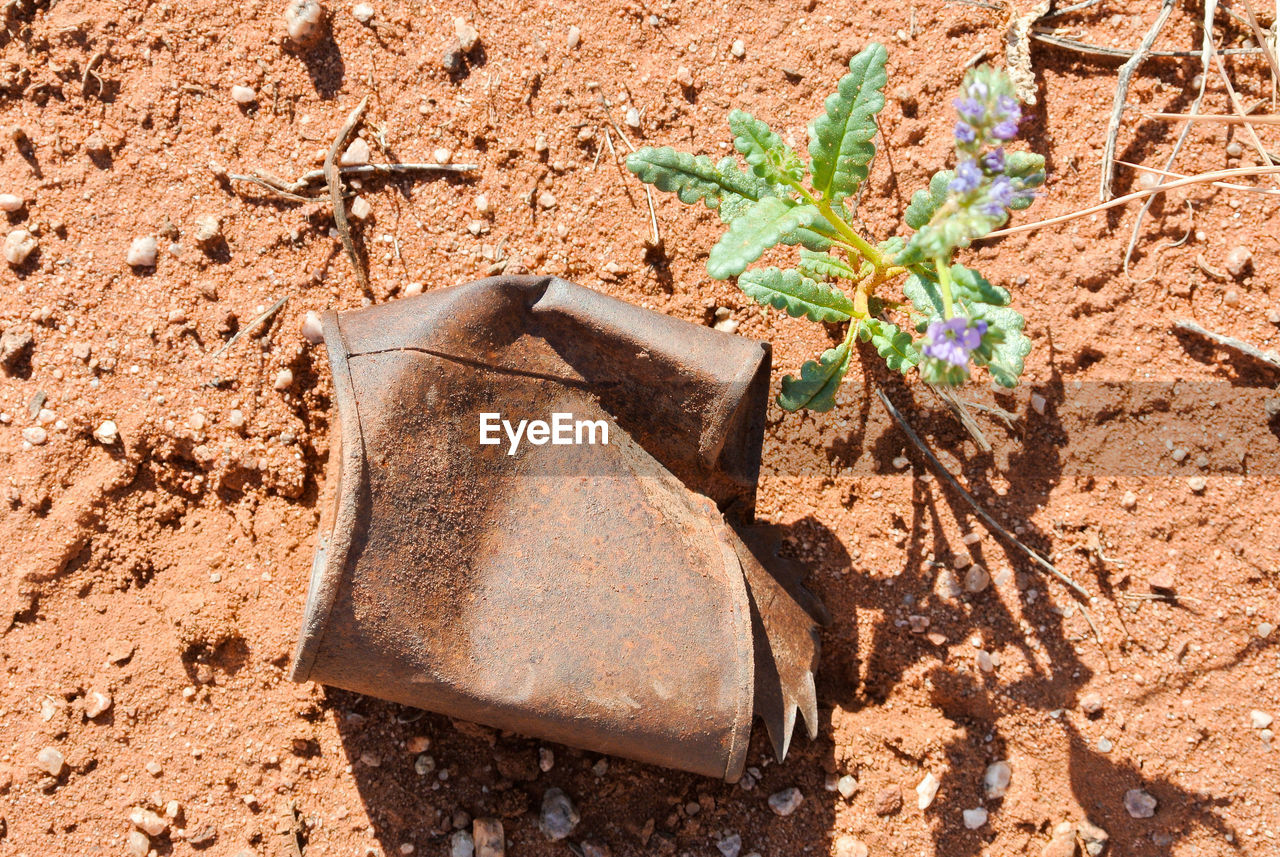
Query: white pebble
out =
(976, 579)
(1140, 804)
(96, 704)
(18, 245)
(243, 95)
(413, 289)
(786, 801)
(575, 38)
(684, 77)
(312, 329)
(50, 761)
(738, 48)
(357, 153)
(107, 433)
(284, 380)
(443, 156)
(208, 229)
(461, 844)
(1038, 403)
(847, 786)
(547, 199)
(11, 202)
(360, 208)
(468, 36)
(986, 663)
(362, 12)
(304, 21)
(995, 782)
(633, 118)
(1196, 484)
(927, 790)
(1264, 629)
(1129, 500)
(35, 435)
(974, 818)
(137, 844)
(1091, 703)
(147, 821)
(142, 252)
(1259, 719)
(482, 204)
(1239, 260)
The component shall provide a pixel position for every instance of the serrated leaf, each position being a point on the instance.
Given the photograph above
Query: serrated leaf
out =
(1027, 171)
(771, 220)
(818, 383)
(841, 149)
(924, 203)
(824, 266)
(692, 177)
(968, 286)
(891, 342)
(797, 294)
(769, 157)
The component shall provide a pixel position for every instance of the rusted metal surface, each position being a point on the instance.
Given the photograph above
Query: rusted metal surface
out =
(593, 595)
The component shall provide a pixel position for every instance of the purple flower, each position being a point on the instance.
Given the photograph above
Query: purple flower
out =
(1008, 107)
(971, 110)
(968, 177)
(953, 340)
(994, 160)
(1002, 191)
(978, 89)
(965, 133)
(1006, 130)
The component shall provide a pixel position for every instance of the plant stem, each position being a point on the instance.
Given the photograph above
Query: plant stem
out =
(864, 248)
(944, 281)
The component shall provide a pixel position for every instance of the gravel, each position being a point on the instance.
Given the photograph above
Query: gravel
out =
(1093, 837)
(96, 704)
(633, 118)
(208, 229)
(1129, 501)
(362, 12)
(995, 782)
(137, 844)
(51, 761)
(360, 208)
(974, 818)
(1259, 719)
(461, 844)
(357, 154)
(142, 252)
(976, 579)
(684, 77)
(18, 245)
(468, 35)
(312, 329)
(1239, 261)
(927, 790)
(1196, 484)
(304, 21)
(1139, 804)
(574, 39)
(730, 846)
(559, 816)
(148, 822)
(488, 837)
(11, 202)
(786, 801)
(1091, 703)
(847, 786)
(738, 48)
(243, 95)
(35, 435)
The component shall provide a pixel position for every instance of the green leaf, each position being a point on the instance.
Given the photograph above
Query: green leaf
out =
(770, 221)
(968, 286)
(892, 343)
(1027, 170)
(824, 266)
(924, 203)
(692, 178)
(840, 144)
(819, 380)
(769, 157)
(797, 294)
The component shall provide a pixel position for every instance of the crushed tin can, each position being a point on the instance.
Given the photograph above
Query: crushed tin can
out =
(610, 596)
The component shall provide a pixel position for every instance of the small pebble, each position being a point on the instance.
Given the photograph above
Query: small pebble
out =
(243, 95)
(730, 846)
(155, 769)
(208, 229)
(35, 435)
(304, 21)
(137, 844)
(547, 199)
(1129, 500)
(633, 118)
(927, 790)
(847, 786)
(1063, 844)
(488, 837)
(847, 846)
(362, 12)
(357, 154)
(727, 325)
(1234, 149)
(482, 205)
(424, 765)
(1238, 262)
(995, 782)
(284, 380)
(574, 39)
(1231, 298)
(142, 252)
(684, 77)
(786, 801)
(51, 761)
(976, 579)
(1196, 484)
(360, 208)
(413, 289)
(738, 48)
(10, 202)
(461, 844)
(147, 821)
(18, 245)
(901, 462)
(1104, 745)
(986, 663)
(443, 156)
(312, 329)
(1264, 629)
(1091, 703)
(1178, 454)
(96, 704)
(1139, 804)
(1093, 837)
(468, 36)
(559, 816)
(974, 818)
(1259, 719)
(546, 759)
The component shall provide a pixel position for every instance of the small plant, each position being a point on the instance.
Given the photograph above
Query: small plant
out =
(781, 199)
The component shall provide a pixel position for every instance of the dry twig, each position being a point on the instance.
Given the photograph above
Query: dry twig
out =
(1122, 93)
(306, 183)
(251, 326)
(334, 181)
(1239, 345)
